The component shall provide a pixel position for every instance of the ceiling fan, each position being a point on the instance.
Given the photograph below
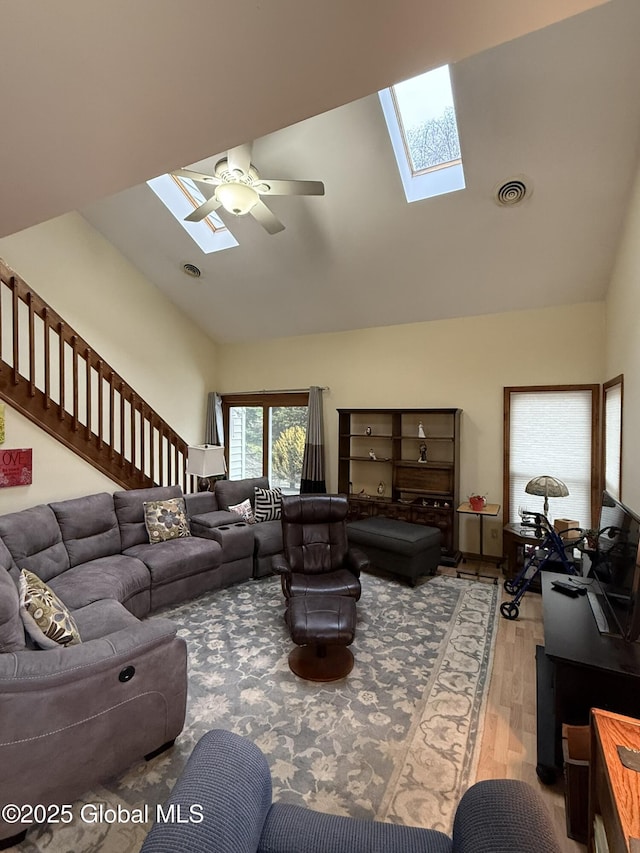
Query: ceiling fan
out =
(239, 187)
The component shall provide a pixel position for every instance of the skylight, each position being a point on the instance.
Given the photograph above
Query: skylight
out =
(182, 196)
(421, 120)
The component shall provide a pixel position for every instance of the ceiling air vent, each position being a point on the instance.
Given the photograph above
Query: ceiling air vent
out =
(192, 270)
(513, 191)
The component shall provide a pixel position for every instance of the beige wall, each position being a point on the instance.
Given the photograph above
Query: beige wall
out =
(623, 344)
(463, 363)
(167, 360)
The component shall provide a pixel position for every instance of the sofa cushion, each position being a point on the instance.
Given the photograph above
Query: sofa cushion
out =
(46, 619)
(11, 626)
(34, 539)
(230, 492)
(268, 536)
(118, 577)
(101, 618)
(177, 558)
(166, 520)
(200, 502)
(89, 527)
(129, 507)
(268, 504)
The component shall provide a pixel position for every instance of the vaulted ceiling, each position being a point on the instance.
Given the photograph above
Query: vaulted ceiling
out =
(128, 91)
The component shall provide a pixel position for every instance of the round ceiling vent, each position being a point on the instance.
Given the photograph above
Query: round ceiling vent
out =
(511, 192)
(192, 270)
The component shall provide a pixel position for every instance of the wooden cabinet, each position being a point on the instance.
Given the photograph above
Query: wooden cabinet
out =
(614, 796)
(381, 467)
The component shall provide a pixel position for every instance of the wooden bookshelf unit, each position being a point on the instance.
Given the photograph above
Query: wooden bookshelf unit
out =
(381, 471)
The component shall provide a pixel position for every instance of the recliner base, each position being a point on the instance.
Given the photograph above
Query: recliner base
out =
(321, 663)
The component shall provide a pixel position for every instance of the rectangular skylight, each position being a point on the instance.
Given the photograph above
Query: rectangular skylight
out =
(421, 119)
(182, 196)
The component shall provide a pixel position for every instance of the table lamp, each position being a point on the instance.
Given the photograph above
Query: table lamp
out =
(204, 461)
(547, 487)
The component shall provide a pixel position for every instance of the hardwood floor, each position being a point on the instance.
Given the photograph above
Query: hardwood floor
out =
(509, 738)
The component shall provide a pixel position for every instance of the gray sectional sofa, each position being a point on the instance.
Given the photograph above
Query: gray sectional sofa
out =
(71, 717)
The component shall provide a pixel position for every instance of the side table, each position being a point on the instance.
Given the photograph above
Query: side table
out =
(515, 538)
(487, 509)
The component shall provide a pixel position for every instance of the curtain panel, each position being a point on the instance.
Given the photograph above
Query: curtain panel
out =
(313, 476)
(214, 429)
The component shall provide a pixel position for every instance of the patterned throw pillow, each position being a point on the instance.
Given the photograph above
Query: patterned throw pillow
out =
(45, 617)
(244, 509)
(268, 504)
(166, 519)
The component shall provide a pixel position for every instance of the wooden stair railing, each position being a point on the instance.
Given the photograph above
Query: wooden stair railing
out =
(51, 375)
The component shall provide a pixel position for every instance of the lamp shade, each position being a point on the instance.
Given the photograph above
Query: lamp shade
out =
(237, 198)
(546, 487)
(206, 460)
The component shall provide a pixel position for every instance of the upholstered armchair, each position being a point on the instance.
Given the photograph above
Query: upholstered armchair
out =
(317, 557)
(224, 800)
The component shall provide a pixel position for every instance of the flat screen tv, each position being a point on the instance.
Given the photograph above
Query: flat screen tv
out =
(615, 568)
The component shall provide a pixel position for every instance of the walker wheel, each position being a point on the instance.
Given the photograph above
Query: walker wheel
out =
(509, 610)
(511, 587)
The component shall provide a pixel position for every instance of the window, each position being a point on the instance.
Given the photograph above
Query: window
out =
(612, 437)
(265, 437)
(552, 430)
(181, 197)
(421, 120)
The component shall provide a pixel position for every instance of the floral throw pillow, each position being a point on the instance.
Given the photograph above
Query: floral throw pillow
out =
(268, 504)
(46, 619)
(244, 509)
(166, 520)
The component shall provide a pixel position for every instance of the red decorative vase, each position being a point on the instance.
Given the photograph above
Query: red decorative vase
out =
(477, 502)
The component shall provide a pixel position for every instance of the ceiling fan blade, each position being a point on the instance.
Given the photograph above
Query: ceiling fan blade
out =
(197, 176)
(290, 187)
(266, 218)
(204, 210)
(239, 158)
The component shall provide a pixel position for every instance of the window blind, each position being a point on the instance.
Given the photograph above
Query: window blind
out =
(550, 432)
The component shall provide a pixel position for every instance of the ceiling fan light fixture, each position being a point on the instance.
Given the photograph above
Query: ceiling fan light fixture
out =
(237, 198)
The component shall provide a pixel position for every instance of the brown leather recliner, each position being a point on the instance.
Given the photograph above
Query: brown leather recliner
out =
(317, 557)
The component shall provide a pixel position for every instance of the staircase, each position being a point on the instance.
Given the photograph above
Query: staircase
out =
(50, 374)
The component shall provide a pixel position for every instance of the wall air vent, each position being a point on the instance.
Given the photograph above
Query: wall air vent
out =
(511, 192)
(192, 270)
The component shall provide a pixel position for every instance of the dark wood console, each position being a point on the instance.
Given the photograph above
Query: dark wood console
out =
(577, 669)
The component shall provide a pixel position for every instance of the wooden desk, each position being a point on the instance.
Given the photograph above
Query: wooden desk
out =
(614, 790)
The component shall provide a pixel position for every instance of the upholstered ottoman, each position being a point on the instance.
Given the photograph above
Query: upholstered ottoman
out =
(322, 626)
(406, 549)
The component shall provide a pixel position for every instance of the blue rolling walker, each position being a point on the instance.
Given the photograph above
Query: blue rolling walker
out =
(550, 553)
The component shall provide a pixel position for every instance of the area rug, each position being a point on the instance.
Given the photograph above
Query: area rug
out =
(396, 740)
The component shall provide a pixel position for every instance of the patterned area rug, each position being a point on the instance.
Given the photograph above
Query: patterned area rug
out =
(396, 740)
